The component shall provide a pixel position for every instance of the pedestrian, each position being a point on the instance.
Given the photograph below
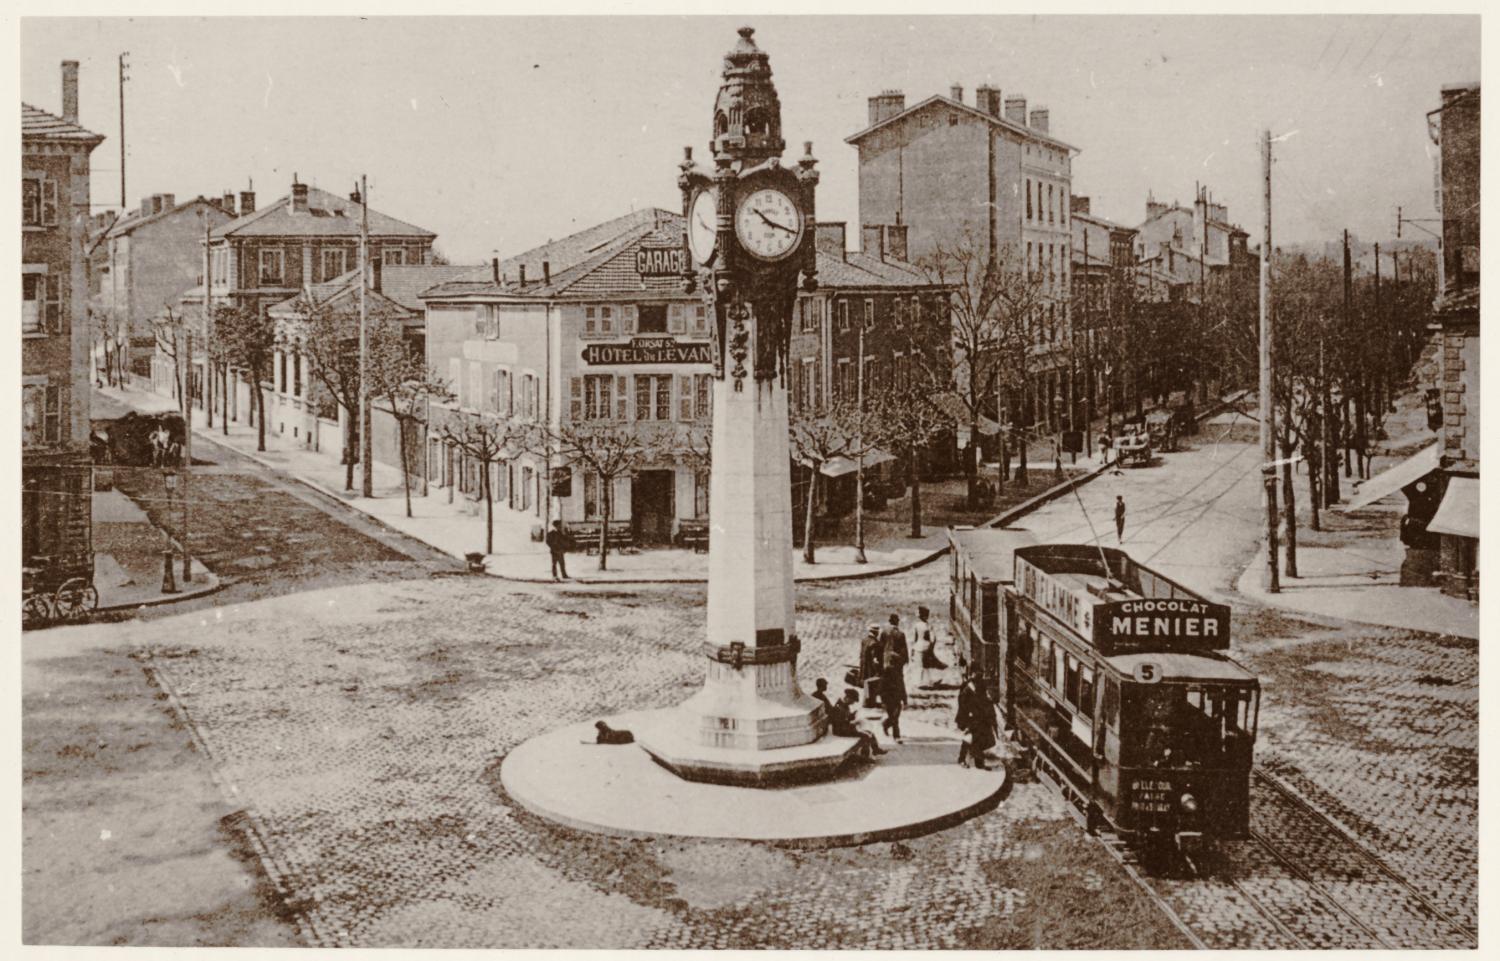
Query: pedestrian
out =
(1120, 518)
(870, 664)
(926, 641)
(894, 655)
(976, 718)
(820, 693)
(843, 724)
(557, 546)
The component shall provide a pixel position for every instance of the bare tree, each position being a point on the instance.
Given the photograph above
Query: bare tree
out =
(485, 439)
(999, 306)
(910, 419)
(168, 327)
(409, 385)
(818, 435)
(248, 337)
(608, 450)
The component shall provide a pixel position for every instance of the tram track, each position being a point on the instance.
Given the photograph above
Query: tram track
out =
(1311, 885)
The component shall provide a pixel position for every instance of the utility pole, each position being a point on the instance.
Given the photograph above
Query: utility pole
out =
(208, 321)
(1383, 339)
(1326, 491)
(187, 455)
(123, 78)
(859, 474)
(1267, 407)
(1348, 438)
(367, 474)
(1203, 279)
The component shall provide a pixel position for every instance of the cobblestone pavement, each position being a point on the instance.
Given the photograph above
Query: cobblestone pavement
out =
(368, 724)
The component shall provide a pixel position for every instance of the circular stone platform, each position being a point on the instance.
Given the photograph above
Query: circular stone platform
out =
(620, 790)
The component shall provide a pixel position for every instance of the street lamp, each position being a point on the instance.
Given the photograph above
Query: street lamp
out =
(168, 582)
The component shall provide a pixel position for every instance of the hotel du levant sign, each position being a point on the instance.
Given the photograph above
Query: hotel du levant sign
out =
(649, 350)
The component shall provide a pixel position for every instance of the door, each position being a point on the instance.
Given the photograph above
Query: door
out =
(652, 506)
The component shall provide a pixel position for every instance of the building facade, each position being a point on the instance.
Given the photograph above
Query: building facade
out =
(267, 255)
(592, 329)
(1455, 128)
(142, 262)
(56, 476)
(988, 178)
(1104, 294)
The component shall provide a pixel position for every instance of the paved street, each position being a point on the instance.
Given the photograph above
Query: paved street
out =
(364, 725)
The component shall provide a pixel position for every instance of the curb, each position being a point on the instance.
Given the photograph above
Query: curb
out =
(214, 588)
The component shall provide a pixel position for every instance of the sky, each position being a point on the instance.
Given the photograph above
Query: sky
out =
(502, 133)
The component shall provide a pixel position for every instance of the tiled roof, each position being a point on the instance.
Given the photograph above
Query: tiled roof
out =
(327, 215)
(134, 220)
(40, 125)
(862, 270)
(404, 283)
(340, 288)
(1001, 122)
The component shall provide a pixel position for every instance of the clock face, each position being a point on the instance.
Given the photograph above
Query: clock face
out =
(703, 225)
(768, 224)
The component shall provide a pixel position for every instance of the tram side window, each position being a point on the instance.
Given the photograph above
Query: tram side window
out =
(1086, 691)
(1056, 674)
(1021, 653)
(1043, 667)
(1070, 679)
(1111, 706)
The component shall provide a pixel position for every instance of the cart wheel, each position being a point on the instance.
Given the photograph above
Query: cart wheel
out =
(76, 596)
(36, 610)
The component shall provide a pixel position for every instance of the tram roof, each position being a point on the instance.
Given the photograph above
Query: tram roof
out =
(990, 551)
(1176, 666)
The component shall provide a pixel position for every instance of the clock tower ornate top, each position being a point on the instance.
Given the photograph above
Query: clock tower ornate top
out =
(747, 113)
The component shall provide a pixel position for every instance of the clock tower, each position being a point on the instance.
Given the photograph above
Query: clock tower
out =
(748, 236)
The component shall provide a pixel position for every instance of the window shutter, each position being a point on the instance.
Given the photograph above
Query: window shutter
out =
(628, 319)
(676, 319)
(684, 397)
(49, 202)
(575, 395)
(590, 322)
(510, 395)
(622, 398)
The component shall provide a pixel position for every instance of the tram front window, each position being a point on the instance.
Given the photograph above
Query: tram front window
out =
(1191, 725)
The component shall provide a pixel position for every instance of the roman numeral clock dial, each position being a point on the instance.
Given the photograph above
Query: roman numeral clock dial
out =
(768, 224)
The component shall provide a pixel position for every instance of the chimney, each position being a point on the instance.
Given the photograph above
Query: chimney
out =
(495, 270)
(956, 92)
(1039, 119)
(895, 241)
(522, 269)
(247, 202)
(547, 272)
(156, 203)
(145, 206)
(1015, 110)
(227, 203)
(1154, 208)
(299, 196)
(169, 202)
(829, 238)
(987, 99)
(70, 90)
(871, 241)
(1078, 204)
(886, 105)
(375, 266)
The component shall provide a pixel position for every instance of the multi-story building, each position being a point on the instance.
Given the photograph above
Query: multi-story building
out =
(269, 254)
(142, 262)
(873, 310)
(988, 178)
(1454, 127)
(1188, 248)
(1105, 276)
(56, 479)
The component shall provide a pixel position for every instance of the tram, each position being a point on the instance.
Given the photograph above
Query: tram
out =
(1114, 677)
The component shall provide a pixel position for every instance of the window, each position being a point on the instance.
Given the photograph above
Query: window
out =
(526, 486)
(492, 392)
(843, 315)
(534, 396)
(591, 320)
(1051, 206)
(677, 318)
(703, 402)
(41, 415)
(916, 310)
(1028, 199)
(49, 202)
(606, 320)
(505, 402)
(869, 313)
(392, 256)
(333, 259)
(597, 397)
(491, 322)
(653, 396)
(272, 263)
(807, 386)
(700, 494)
(843, 385)
(806, 315)
(296, 375)
(31, 202)
(590, 496)
(700, 319)
(900, 312)
(33, 299)
(652, 319)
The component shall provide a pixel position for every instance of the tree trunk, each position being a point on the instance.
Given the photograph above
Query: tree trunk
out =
(258, 403)
(1021, 464)
(971, 461)
(608, 483)
(489, 507)
(224, 398)
(1314, 476)
(406, 467)
(808, 551)
(1289, 492)
(914, 477)
(349, 455)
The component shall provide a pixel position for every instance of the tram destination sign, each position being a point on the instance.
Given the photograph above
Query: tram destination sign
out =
(648, 350)
(1169, 622)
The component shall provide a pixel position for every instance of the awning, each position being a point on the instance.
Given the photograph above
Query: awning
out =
(1413, 469)
(1459, 511)
(959, 412)
(839, 466)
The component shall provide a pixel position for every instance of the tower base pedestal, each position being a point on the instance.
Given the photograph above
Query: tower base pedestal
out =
(675, 740)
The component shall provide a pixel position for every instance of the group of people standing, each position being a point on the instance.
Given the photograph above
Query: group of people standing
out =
(884, 656)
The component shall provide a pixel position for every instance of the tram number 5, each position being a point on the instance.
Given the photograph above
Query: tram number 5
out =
(1147, 672)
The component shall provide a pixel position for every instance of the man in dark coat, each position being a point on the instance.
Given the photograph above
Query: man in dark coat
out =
(976, 718)
(557, 546)
(841, 721)
(894, 655)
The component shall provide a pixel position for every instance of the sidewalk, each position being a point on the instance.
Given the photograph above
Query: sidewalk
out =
(128, 558)
(1351, 571)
